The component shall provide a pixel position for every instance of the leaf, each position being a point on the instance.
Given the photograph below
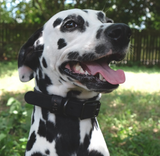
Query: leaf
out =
(10, 101)
(2, 136)
(15, 105)
(23, 139)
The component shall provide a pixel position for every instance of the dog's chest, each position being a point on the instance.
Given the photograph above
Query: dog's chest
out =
(59, 135)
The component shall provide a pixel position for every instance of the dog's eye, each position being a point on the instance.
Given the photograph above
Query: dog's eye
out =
(70, 25)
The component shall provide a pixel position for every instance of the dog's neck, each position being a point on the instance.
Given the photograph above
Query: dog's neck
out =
(56, 124)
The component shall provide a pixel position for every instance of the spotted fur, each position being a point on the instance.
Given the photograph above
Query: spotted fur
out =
(72, 35)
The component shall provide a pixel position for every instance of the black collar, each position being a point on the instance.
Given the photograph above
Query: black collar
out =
(64, 106)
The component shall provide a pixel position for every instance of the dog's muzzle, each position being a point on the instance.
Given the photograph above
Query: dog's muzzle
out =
(93, 70)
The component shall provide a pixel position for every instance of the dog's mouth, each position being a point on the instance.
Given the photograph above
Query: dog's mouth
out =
(96, 75)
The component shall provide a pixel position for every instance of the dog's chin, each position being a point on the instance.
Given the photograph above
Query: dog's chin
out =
(95, 75)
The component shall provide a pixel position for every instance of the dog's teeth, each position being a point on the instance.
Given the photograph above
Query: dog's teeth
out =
(81, 71)
(104, 80)
(100, 77)
(77, 67)
(86, 73)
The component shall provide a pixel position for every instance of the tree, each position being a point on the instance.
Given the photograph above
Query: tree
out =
(39, 11)
(5, 15)
(154, 21)
(133, 12)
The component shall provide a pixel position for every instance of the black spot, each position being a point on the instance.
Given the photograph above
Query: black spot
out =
(73, 55)
(37, 80)
(61, 43)
(42, 128)
(94, 121)
(39, 48)
(100, 16)
(76, 85)
(37, 42)
(108, 20)
(69, 79)
(44, 63)
(47, 151)
(73, 93)
(69, 130)
(44, 114)
(87, 57)
(51, 132)
(85, 11)
(47, 130)
(31, 141)
(87, 24)
(100, 49)
(31, 76)
(43, 83)
(99, 32)
(80, 23)
(37, 154)
(33, 115)
(57, 22)
(40, 74)
(83, 149)
(63, 79)
(47, 80)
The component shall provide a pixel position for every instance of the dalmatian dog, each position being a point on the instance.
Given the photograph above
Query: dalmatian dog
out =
(69, 58)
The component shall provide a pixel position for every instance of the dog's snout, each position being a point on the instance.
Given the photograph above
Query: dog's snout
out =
(119, 33)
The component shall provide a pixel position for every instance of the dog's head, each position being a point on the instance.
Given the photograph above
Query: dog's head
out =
(73, 51)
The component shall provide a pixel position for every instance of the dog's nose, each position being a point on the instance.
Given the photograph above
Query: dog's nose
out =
(119, 33)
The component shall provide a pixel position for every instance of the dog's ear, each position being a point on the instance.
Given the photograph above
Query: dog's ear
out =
(28, 56)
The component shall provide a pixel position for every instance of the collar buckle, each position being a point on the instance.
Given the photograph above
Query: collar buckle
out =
(90, 108)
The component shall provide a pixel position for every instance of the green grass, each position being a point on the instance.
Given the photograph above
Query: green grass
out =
(130, 120)
(129, 116)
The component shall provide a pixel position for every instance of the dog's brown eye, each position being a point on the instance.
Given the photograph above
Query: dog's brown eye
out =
(70, 25)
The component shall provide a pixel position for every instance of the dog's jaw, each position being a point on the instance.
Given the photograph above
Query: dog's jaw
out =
(50, 83)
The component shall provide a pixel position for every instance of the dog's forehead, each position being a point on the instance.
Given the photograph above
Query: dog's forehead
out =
(85, 14)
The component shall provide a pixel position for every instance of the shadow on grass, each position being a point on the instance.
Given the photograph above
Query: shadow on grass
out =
(5, 96)
(130, 122)
(142, 104)
(138, 144)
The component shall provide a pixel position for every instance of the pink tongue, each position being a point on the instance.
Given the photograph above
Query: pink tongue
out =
(111, 76)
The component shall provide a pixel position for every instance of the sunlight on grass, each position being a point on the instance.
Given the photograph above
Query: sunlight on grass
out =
(13, 84)
(130, 122)
(134, 81)
(142, 82)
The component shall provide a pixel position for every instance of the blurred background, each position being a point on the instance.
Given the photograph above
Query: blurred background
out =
(20, 18)
(129, 116)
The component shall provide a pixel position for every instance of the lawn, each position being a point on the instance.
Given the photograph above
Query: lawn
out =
(129, 116)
